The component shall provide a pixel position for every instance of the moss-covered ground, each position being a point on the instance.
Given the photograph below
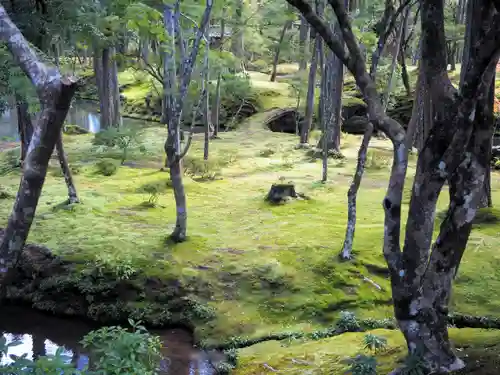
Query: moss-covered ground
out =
(263, 269)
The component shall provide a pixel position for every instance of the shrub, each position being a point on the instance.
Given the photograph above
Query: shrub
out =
(74, 129)
(118, 265)
(106, 167)
(9, 160)
(375, 343)
(118, 351)
(198, 168)
(154, 189)
(121, 138)
(260, 66)
(5, 194)
(347, 322)
(362, 365)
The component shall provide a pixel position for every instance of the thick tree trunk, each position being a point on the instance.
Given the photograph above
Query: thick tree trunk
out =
(68, 176)
(311, 87)
(303, 38)
(24, 125)
(276, 58)
(55, 95)
(97, 62)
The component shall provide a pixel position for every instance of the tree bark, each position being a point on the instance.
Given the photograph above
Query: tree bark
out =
(303, 38)
(24, 125)
(311, 87)
(55, 93)
(172, 108)
(115, 87)
(106, 100)
(276, 58)
(206, 101)
(66, 170)
(237, 42)
(217, 98)
(346, 252)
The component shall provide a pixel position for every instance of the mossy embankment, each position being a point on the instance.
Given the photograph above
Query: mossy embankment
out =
(248, 269)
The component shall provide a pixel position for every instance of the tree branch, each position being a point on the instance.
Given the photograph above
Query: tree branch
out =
(39, 74)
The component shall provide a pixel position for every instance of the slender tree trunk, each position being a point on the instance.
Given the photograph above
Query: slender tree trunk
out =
(115, 87)
(286, 26)
(303, 38)
(55, 96)
(206, 100)
(106, 100)
(337, 79)
(352, 194)
(399, 40)
(217, 98)
(237, 42)
(311, 87)
(24, 125)
(98, 73)
(68, 176)
(402, 54)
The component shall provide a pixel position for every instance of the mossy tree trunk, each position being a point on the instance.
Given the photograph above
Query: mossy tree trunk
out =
(311, 87)
(303, 39)
(217, 97)
(173, 102)
(421, 272)
(55, 94)
(66, 170)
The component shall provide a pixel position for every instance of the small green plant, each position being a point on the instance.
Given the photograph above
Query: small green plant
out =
(267, 152)
(118, 265)
(118, 351)
(347, 322)
(414, 364)
(203, 170)
(154, 189)
(5, 194)
(374, 343)
(106, 167)
(122, 138)
(362, 365)
(287, 162)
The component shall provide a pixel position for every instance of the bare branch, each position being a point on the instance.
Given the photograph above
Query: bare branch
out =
(346, 252)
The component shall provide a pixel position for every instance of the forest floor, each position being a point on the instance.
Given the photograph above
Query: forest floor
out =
(262, 269)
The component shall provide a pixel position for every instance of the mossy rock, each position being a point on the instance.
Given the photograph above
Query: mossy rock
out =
(71, 129)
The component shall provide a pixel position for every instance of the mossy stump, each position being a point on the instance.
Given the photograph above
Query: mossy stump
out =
(282, 193)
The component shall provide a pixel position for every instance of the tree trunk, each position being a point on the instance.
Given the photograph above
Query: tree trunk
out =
(337, 81)
(217, 98)
(106, 100)
(286, 26)
(303, 38)
(115, 87)
(55, 96)
(24, 125)
(206, 100)
(98, 74)
(68, 176)
(311, 87)
(237, 43)
(399, 40)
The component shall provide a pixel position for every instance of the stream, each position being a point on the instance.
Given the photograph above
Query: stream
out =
(82, 113)
(41, 334)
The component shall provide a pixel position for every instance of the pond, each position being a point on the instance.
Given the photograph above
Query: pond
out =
(41, 334)
(82, 113)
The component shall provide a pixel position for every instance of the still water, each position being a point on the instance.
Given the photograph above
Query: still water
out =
(82, 113)
(42, 334)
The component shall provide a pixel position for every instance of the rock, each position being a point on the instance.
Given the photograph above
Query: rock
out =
(355, 125)
(284, 120)
(353, 108)
(74, 130)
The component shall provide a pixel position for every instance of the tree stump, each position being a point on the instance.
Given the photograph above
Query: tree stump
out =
(281, 193)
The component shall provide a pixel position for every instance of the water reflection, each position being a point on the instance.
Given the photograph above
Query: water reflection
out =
(82, 113)
(41, 334)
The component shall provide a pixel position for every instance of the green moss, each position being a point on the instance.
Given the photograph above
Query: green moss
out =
(327, 356)
(259, 269)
